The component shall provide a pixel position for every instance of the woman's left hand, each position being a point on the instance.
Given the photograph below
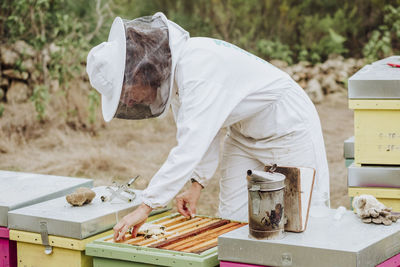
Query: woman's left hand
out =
(187, 201)
(134, 219)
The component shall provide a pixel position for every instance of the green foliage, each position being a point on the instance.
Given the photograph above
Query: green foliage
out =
(63, 31)
(382, 41)
(40, 98)
(290, 30)
(60, 31)
(1, 110)
(94, 101)
(276, 50)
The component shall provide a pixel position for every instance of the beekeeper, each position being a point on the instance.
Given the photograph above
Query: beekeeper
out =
(150, 63)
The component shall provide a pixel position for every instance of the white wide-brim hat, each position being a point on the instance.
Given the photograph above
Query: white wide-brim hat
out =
(106, 68)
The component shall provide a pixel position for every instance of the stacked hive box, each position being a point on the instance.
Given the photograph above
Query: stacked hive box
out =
(185, 243)
(374, 95)
(53, 233)
(22, 189)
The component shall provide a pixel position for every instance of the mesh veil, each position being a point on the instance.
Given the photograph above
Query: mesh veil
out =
(146, 84)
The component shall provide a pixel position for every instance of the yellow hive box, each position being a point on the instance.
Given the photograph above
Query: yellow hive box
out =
(66, 251)
(376, 131)
(390, 197)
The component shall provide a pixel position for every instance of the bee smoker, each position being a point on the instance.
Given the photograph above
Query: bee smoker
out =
(266, 204)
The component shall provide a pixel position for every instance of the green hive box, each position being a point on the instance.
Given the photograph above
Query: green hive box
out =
(106, 254)
(110, 254)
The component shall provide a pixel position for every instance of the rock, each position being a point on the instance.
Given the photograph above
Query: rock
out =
(279, 63)
(53, 48)
(296, 77)
(341, 76)
(16, 74)
(314, 71)
(24, 49)
(54, 86)
(314, 91)
(329, 84)
(3, 82)
(297, 68)
(46, 56)
(305, 64)
(36, 76)
(1, 94)
(8, 57)
(303, 83)
(28, 65)
(18, 92)
(336, 57)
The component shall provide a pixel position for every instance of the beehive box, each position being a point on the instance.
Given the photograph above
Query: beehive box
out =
(327, 242)
(18, 190)
(68, 229)
(186, 243)
(374, 94)
(380, 181)
(348, 149)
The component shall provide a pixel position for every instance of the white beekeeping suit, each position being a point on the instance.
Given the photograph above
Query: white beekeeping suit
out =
(150, 63)
(269, 118)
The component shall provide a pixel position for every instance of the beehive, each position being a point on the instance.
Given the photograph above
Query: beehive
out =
(374, 94)
(68, 229)
(18, 190)
(327, 242)
(186, 242)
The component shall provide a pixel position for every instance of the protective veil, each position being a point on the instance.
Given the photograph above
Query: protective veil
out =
(146, 86)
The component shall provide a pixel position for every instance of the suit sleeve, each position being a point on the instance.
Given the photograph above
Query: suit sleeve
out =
(199, 119)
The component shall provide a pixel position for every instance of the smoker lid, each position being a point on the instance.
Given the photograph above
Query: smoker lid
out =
(264, 181)
(377, 80)
(62, 219)
(18, 189)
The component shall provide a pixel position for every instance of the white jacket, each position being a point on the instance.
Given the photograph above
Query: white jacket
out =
(216, 85)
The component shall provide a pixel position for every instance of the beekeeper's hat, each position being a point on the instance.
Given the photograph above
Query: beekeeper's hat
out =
(106, 66)
(132, 70)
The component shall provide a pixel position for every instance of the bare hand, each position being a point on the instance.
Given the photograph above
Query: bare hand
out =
(187, 201)
(134, 219)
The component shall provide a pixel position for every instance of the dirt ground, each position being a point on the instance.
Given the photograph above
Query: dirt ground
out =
(124, 149)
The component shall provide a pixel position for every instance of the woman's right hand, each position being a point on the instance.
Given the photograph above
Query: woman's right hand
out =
(134, 219)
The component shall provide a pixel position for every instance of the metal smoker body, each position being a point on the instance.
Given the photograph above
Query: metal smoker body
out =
(266, 204)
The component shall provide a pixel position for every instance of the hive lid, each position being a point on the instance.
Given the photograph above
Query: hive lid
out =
(349, 148)
(18, 189)
(376, 81)
(62, 219)
(347, 242)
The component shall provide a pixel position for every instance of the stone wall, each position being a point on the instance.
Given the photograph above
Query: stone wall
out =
(21, 69)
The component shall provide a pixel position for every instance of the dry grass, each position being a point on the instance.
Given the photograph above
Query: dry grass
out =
(123, 149)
